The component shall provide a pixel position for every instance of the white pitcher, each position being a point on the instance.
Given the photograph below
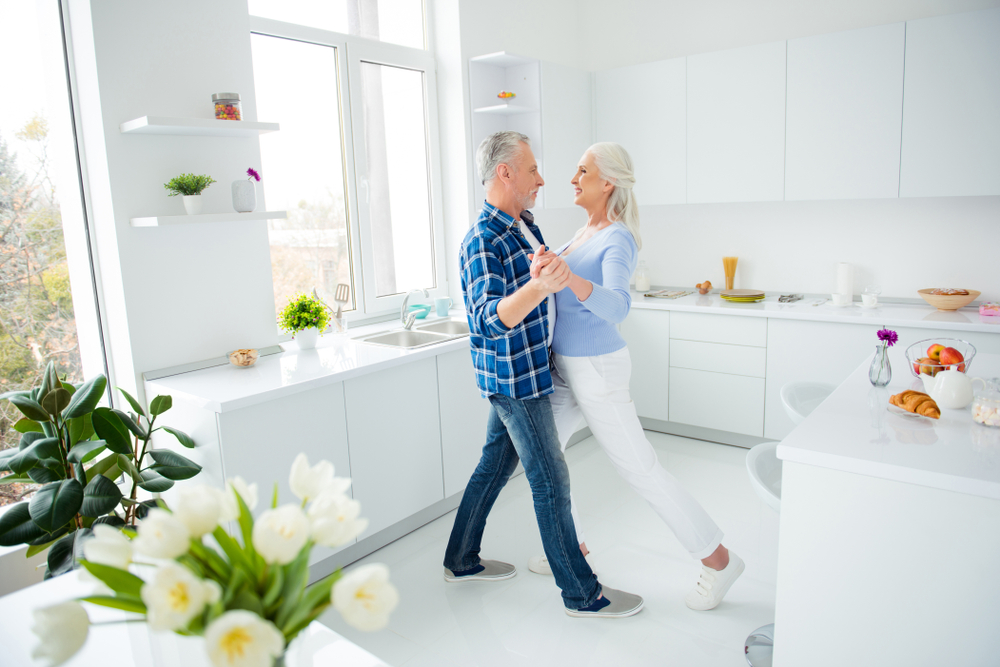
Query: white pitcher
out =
(949, 389)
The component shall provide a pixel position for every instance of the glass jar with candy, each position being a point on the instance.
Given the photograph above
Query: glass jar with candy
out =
(228, 106)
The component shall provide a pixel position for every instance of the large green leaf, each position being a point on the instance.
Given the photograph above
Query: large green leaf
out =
(112, 520)
(5, 456)
(130, 423)
(142, 509)
(154, 482)
(55, 504)
(296, 578)
(86, 450)
(40, 475)
(181, 436)
(16, 526)
(125, 463)
(50, 379)
(112, 431)
(14, 478)
(30, 437)
(100, 496)
(160, 404)
(25, 425)
(40, 448)
(56, 401)
(117, 602)
(80, 429)
(30, 408)
(247, 599)
(172, 465)
(103, 466)
(120, 581)
(134, 403)
(233, 550)
(60, 558)
(6, 396)
(48, 538)
(86, 397)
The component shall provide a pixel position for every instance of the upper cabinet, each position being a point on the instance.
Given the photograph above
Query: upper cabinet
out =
(736, 125)
(642, 107)
(844, 114)
(951, 106)
(567, 127)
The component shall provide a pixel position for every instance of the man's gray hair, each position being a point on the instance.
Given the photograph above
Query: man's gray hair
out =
(496, 149)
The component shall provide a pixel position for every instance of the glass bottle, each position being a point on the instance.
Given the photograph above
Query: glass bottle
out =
(880, 372)
(642, 277)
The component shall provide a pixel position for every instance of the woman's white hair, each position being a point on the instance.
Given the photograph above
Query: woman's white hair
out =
(615, 165)
(497, 149)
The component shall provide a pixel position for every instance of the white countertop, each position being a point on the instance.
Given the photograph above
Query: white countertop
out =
(853, 431)
(336, 358)
(892, 315)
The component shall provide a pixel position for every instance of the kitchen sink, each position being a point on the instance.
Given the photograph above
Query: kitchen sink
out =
(407, 339)
(452, 327)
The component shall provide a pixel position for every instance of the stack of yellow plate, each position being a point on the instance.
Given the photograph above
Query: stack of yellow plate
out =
(742, 295)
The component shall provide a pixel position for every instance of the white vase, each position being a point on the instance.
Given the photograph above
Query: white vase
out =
(244, 196)
(192, 204)
(307, 338)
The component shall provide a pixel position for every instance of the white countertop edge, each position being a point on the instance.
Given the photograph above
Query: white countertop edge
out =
(892, 472)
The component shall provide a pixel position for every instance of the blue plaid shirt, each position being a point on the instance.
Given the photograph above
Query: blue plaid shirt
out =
(513, 362)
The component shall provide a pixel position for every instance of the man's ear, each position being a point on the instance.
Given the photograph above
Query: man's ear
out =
(503, 172)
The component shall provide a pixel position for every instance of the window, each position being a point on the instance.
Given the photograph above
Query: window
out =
(354, 163)
(393, 21)
(48, 310)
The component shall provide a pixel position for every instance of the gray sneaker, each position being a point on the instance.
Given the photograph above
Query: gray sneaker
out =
(493, 570)
(622, 604)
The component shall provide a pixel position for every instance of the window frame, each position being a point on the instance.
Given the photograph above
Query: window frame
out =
(351, 51)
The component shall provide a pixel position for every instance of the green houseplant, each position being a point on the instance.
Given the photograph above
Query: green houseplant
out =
(77, 451)
(306, 317)
(190, 186)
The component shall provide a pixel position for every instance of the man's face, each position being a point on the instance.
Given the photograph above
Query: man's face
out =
(525, 179)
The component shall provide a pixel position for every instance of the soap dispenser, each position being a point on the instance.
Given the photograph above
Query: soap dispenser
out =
(642, 277)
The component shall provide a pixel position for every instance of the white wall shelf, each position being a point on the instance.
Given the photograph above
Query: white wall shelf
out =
(167, 220)
(196, 127)
(505, 109)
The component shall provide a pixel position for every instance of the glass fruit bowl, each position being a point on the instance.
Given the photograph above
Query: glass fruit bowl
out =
(920, 357)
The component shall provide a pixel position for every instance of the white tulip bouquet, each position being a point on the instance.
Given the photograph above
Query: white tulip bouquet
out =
(248, 600)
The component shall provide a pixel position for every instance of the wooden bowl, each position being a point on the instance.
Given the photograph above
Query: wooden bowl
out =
(948, 301)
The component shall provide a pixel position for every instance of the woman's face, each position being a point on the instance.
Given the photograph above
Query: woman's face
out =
(591, 190)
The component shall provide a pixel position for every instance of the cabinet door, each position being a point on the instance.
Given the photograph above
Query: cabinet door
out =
(260, 442)
(721, 401)
(648, 338)
(736, 125)
(567, 129)
(951, 124)
(643, 108)
(395, 442)
(463, 419)
(845, 114)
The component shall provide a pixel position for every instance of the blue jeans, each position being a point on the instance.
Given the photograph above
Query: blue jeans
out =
(525, 430)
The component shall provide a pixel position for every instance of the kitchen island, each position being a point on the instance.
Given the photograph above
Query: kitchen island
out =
(889, 532)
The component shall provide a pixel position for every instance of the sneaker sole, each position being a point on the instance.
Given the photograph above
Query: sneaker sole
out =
(725, 590)
(604, 614)
(472, 577)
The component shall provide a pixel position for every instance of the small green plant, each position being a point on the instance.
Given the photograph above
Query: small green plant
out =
(188, 184)
(303, 312)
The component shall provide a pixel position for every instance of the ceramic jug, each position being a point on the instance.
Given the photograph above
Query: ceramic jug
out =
(949, 389)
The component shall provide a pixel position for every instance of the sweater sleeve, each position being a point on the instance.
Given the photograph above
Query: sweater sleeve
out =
(612, 301)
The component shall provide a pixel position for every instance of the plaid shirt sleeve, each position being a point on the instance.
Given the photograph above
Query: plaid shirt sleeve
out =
(485, 285)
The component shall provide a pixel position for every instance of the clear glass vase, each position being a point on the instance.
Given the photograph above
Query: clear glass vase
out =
(880, 372)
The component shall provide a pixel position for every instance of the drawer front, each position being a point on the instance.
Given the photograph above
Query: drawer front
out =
(733, 403)
(718, 358)
(731, 329)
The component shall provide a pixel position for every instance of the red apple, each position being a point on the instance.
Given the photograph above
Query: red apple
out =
(934, 351)
(928, 366)
(950, 357)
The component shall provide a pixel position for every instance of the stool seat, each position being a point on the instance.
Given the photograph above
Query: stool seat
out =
(764, 467)
(801, 398)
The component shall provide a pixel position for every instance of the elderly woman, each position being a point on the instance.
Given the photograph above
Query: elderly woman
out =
(591, 365)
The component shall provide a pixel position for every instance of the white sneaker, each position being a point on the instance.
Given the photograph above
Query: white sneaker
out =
(712, 585)
(540, 564)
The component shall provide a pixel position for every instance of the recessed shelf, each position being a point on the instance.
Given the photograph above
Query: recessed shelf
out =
(504, 109)
(502, 59)
(165, 220)
(196, 127)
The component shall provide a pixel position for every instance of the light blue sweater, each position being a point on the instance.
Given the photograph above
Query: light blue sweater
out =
(587, 328)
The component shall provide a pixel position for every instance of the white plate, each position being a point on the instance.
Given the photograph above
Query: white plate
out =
(871, 306)
(896, 410)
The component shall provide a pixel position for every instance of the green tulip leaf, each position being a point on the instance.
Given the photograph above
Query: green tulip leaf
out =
(154, 482)
(86, 398)
(16, 526)
(100, 496)
(160, 404)
(55, 504)
(172, 465)
(25, 425)
(120, 581)
(130, 424)
(112, 431)
(134, 403)
(117, 602)
(181, 436)
(30, 408)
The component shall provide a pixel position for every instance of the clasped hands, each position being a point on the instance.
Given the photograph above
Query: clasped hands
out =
(549, 270)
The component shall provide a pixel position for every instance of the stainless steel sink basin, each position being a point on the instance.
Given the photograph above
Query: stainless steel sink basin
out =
(406, 339)
(452, 327)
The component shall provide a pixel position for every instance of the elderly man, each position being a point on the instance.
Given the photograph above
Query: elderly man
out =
(508, 316)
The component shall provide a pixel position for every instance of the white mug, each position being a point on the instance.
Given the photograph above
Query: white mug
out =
(442, 305)
(841, 299)
(869, 299)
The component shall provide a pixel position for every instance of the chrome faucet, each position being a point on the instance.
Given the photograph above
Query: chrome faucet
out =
(405, 317)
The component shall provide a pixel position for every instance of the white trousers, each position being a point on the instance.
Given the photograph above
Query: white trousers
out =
(596, 388)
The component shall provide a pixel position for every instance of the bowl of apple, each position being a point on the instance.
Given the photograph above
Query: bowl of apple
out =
(933, 355)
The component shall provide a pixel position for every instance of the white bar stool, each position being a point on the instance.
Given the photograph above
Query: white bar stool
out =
(799, 399)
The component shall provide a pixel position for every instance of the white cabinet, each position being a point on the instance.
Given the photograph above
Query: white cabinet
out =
(718, 401)
(844, 114)
(260, 442)
(643, 108)
(728, 329)
(736, 125)
(463, 419)
(567, 127)
(394, 431)
(647, 335)
(951, 106)
(717, 358)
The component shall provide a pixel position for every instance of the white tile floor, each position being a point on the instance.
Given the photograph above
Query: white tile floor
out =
(520, 622)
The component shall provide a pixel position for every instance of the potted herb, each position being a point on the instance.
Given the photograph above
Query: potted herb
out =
(190, 187)
(305, 317)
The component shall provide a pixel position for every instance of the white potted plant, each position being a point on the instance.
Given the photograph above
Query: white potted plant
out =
(190, 187)
(306, 318)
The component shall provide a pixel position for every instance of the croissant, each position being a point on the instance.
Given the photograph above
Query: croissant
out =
(917, 402)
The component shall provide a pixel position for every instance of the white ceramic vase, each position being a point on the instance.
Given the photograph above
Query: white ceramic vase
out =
(192, 204)
(244, 196)
(307, 338)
